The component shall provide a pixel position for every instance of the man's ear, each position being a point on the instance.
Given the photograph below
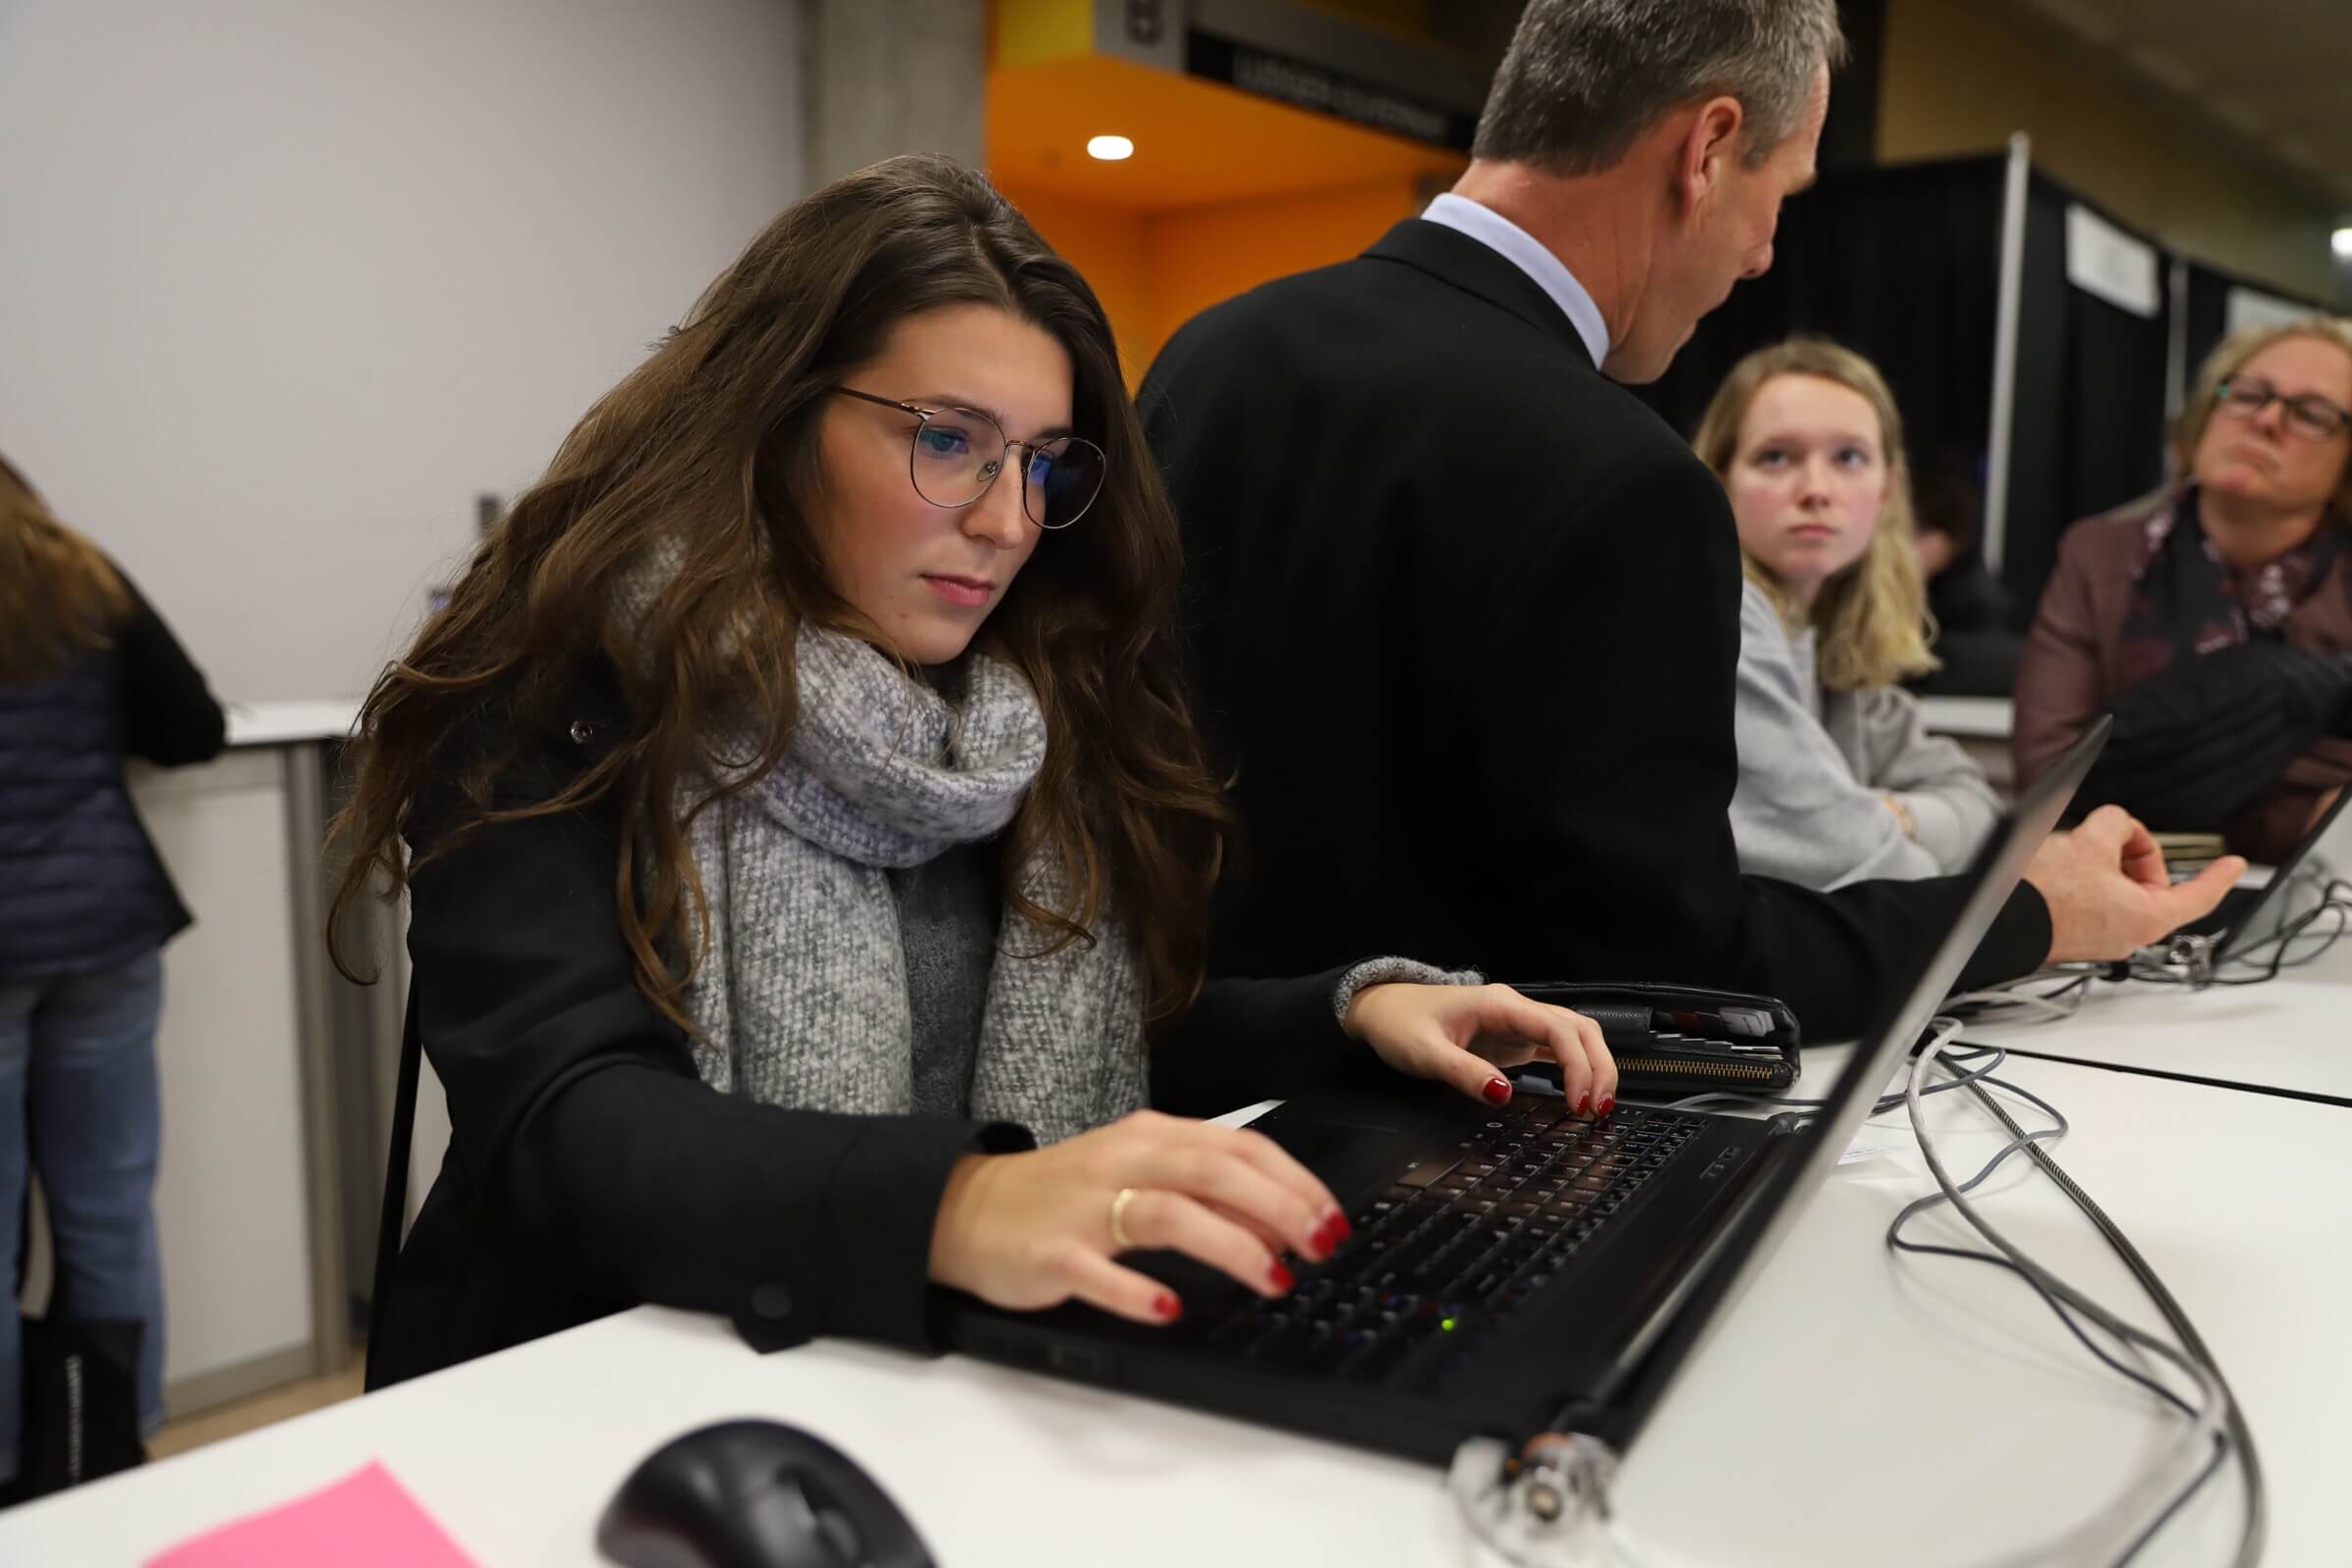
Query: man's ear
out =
(1711, 139)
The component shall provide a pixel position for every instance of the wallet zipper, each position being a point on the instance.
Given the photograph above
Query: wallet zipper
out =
(1750, 1072)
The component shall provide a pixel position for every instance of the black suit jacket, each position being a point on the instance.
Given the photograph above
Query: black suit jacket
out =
(1465, 617)
(591, 1169)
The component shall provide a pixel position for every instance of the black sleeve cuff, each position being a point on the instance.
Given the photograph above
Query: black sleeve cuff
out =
(1245, 1040)
(880, 1204)
(2017, 943)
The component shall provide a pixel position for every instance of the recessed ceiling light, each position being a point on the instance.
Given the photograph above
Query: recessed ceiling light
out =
(2341, 243)
(1110, 149)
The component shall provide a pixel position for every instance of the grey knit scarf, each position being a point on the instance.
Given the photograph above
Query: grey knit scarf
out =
(801, 999)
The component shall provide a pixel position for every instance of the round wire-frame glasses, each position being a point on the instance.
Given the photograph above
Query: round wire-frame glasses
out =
(956, 456)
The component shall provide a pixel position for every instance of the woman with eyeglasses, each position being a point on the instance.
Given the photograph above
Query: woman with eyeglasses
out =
(808, 848)
(2214, 616)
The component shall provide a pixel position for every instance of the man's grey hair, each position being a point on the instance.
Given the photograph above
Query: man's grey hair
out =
(1585, 79)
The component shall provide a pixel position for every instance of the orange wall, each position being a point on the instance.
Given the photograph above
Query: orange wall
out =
(1197, 256)
(1107, 245)
(1154, 271)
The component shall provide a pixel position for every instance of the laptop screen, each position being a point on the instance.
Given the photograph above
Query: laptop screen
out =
(1992, 877)
(2253, 923)
(1998, 865)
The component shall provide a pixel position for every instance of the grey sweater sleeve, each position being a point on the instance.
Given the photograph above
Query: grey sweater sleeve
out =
(1798, 812)
(1884, 737)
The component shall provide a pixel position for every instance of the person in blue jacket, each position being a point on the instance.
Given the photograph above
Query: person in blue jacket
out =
(89, 675)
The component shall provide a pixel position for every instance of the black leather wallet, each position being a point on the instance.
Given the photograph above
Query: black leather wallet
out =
(1671, 1040)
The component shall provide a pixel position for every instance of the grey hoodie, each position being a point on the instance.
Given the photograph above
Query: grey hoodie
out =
(1814, 764)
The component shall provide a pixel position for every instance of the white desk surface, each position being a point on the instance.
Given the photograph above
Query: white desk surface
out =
(1977, 717)
(287, 723)
(2294, 1032)
(1852, 1407)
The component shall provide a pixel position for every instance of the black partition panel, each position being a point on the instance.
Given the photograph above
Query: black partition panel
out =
(1901, 264)
(2087, 432)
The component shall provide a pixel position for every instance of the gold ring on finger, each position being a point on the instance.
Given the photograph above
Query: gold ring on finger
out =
(1118, 1221)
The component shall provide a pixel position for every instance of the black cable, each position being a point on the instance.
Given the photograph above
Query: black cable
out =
(2288, 935)
(2238, 1436)
(2209, 1418)
(1920, 1206)
(1969, 1254)
(2232, 1423)
(2221, 1452)
(1973, 1054)
(1963, 1080)
(2336, 899)
(1887, 1103)
(1977, 1080)
(2061, 1002)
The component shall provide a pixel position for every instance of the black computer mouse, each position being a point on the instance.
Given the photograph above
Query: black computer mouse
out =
(754, 1494)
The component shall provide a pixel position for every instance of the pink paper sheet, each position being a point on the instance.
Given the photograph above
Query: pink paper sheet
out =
(366, 1520)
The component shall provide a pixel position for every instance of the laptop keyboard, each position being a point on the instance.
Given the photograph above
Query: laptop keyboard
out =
(1467, 1234)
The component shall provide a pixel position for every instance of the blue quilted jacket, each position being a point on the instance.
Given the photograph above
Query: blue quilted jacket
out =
(80, 886)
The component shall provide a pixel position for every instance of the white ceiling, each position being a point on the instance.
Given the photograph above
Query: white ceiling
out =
(2278, 73)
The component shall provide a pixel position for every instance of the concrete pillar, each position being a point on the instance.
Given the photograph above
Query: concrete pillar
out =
(886, 76)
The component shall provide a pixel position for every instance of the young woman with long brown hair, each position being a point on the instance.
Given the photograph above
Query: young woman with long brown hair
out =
(804, 824)
(1839, 780)
(88, 674)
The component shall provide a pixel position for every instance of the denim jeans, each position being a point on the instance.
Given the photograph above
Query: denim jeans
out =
(79, 1104)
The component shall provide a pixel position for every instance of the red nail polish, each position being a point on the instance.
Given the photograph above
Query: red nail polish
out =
(1497, 1091)
(1328, 1236)
(1166, 1306)
(1584, 1105)
(1608, 1105)
(1281, 1277)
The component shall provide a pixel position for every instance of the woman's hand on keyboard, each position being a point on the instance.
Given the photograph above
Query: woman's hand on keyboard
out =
(1034, 1229)
(1461, 1034)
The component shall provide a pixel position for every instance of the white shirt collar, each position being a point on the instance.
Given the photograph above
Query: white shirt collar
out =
(1532, 257)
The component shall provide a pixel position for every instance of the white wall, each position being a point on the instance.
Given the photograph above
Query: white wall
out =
(284, 282)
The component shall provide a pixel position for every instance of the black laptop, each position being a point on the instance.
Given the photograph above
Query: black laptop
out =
(1511, 1272)
(2248, 916)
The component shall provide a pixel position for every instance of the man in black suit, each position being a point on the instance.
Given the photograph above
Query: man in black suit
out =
(1466, 613)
